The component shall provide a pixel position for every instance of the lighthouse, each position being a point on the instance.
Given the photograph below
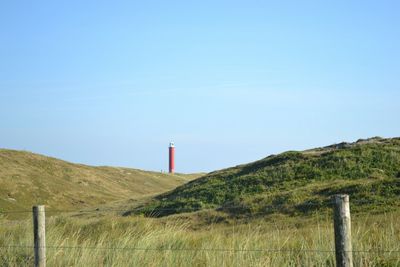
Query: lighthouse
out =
(171, 150)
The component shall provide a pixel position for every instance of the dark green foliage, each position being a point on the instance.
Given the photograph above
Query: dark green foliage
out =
(289, 182)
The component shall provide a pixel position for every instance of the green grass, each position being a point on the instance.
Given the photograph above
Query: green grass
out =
(368, 170)
(304, 241)
(273, 212)
(28, 179)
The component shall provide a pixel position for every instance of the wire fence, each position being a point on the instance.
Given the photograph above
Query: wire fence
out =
(201, 249)
(261, 210)
(224, 208)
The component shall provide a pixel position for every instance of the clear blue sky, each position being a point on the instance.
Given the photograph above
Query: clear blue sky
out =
(112, 82)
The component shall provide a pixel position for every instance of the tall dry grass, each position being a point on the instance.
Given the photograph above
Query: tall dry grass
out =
(136, 241)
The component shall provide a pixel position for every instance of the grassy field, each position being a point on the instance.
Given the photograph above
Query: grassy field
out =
(136, 241)
(272, 212)
(28, 179)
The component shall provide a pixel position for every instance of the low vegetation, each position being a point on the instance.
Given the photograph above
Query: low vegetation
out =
(138, 241)
(273, 212)
(295, 182)
(28, 179)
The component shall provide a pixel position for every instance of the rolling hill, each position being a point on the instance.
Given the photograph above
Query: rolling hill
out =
(27, 179)
(295, 182)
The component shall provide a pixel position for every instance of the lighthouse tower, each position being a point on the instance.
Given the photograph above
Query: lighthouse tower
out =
(171, 157)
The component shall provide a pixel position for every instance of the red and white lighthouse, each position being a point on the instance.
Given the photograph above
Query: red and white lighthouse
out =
(171, 157)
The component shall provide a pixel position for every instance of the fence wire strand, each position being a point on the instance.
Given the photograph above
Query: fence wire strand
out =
(218, 208)
(202, 249)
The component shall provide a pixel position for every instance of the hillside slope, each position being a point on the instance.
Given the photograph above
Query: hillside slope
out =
(27, 179)
(295, 182)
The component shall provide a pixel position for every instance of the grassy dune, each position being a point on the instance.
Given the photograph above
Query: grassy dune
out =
(27, 179)
(275, 212)
(109, 241)
(368, 170)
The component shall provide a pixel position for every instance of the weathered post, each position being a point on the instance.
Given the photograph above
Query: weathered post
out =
(342, 225)
(39, 234)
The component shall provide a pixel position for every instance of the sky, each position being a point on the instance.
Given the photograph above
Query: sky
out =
(230, 82)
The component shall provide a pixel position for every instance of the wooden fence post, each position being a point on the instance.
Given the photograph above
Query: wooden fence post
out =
(39, 233)
(342, 226)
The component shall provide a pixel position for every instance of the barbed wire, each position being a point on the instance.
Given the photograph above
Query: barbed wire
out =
(218, 208)
(201, 249)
